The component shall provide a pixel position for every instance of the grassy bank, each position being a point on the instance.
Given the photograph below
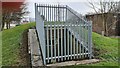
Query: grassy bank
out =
(0, 49)
(11, 39)
(105, 48)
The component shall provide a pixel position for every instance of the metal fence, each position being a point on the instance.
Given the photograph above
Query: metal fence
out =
(63, 33)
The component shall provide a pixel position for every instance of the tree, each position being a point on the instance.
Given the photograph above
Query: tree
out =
(8, 16)
(105, 8)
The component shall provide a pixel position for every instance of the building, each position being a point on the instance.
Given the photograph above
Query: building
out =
(112, 20)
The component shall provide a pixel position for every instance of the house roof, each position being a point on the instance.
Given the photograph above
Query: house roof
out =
(101, 14)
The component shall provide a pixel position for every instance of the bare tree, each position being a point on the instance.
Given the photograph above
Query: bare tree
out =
(105, 8)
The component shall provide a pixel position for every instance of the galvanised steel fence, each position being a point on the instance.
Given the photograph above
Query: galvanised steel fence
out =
(63, 33)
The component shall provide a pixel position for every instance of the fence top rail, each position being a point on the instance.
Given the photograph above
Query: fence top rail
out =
(76, 14)
(66, 25)
(51, 6)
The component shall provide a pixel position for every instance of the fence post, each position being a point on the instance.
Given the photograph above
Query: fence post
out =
(90, 39)
(41, 33)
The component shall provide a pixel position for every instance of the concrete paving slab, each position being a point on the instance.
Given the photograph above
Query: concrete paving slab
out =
(68, 63)
(34, 48)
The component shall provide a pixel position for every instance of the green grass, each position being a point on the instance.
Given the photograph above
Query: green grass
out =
(11, 39)
(107, 48)
(0, 49)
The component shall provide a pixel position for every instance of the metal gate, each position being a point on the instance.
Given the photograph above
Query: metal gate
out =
(63, 33)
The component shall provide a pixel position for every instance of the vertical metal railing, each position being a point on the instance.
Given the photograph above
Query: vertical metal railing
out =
(40, 31)
(63, 33)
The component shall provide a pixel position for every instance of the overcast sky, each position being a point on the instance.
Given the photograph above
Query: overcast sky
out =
(81, 6)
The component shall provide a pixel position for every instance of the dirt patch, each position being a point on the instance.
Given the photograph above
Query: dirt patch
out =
(24, 55)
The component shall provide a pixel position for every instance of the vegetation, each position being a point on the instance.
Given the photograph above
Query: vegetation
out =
(11, 39)
(106, 48)
(109, 10)
(8, 16)
(0, 49)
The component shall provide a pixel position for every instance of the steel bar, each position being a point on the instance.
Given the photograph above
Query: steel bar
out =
(68, 55)
(54, 36)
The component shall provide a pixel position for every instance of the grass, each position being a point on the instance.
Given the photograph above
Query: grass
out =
(11, 39)
(0, 49)
(106, 48)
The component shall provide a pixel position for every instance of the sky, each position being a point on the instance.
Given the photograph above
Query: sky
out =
(81, 6)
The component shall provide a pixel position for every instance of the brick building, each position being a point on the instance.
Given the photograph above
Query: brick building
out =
(113, 23)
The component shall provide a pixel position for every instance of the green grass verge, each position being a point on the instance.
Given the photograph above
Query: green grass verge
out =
(11, 39)
(0, 49)
(107, 48)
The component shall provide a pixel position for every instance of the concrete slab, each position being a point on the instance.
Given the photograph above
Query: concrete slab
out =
(68, 63)
(34, 48)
